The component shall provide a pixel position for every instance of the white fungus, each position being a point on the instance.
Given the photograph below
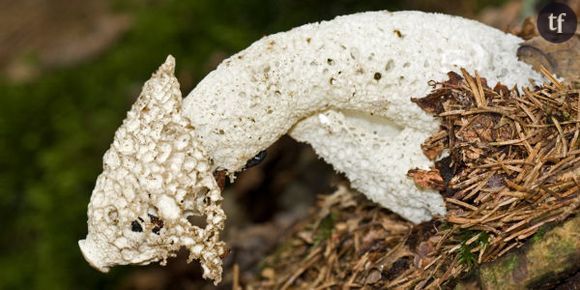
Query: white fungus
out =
(344, 86)
(136, 209)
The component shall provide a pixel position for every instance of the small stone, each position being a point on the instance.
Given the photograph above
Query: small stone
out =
(373, 277)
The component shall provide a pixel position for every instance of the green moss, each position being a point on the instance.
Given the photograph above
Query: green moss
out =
(325, 228)
(466, 257)
(495, 275)
(511, 263)
(539, 234)
(557, 249)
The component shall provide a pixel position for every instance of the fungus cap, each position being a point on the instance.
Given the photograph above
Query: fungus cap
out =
(155, 176)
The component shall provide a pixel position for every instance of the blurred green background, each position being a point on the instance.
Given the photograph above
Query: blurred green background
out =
(58, 113)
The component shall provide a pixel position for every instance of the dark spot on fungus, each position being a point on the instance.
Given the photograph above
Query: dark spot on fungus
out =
(221, 131)
(330, 61)
(112, 215)
(203, 191)
(331, 81)
(271, 45)
(225, 253)
(398, 33)
(157, 222)
(308, 39)
(377, 76)
(136, 226)
(256, 159)
(220, 178)
(197, 221)
(390, 64)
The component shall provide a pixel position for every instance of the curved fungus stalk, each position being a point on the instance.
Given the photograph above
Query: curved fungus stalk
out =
(350, 81)
(344, 86)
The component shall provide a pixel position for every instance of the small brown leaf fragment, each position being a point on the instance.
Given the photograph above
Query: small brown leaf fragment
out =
(434, 146)
(501, 89)
(433, 151)
(220, 178)
(433, 102)
(454, 78)
(480, 129)
(427, 179)
(471, 153)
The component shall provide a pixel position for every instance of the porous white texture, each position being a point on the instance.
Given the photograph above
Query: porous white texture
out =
(375, 154)
(155, 175)
(371, 63)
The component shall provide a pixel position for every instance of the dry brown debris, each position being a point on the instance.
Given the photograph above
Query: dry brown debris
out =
(514, 166)
(348, 242)
(427, 178)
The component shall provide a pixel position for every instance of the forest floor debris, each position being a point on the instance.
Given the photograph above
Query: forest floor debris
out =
(513, 169)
